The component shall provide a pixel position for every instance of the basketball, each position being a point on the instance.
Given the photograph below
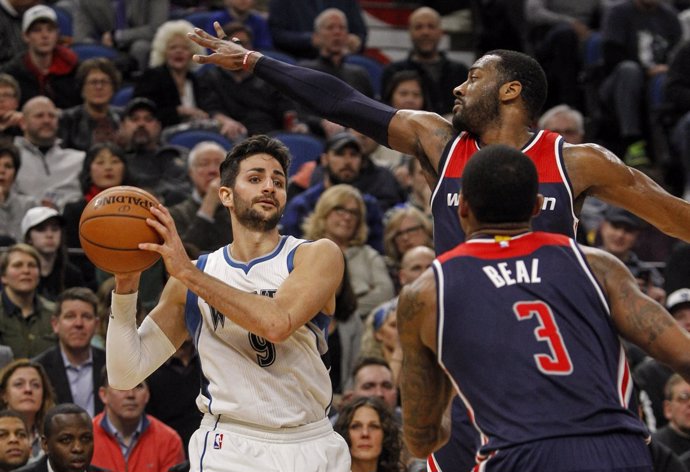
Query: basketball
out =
(113, 224)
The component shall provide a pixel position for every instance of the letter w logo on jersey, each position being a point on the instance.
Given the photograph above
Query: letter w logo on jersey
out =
(217, 317)
(453, 199)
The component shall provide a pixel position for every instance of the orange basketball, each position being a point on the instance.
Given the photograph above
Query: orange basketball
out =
(113, 224)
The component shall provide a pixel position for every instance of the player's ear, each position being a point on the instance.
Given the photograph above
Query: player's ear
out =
(463, 207)
(510, 90)
(538, 205)
(225, 195)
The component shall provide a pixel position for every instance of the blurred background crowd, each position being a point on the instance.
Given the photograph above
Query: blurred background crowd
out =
(100, 93)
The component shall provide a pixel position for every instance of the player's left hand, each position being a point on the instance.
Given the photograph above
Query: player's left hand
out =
(226, 53)
(172, 250)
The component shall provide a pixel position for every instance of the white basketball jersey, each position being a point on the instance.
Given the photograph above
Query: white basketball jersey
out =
(246, 378)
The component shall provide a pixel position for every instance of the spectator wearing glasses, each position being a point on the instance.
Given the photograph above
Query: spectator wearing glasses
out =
(10, 116)
(405, 228)
(340, 215)
(676, 434)
(94, 121)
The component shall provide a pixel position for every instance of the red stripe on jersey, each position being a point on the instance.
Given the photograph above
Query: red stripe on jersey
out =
(464, 148)
(625, 384)
(431, 463)
(541, 150)
(502, 249)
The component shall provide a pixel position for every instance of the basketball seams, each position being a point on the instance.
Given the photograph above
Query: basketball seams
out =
(109, 240)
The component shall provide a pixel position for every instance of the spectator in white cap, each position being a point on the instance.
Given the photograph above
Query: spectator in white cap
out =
(43, 228)
(45, 68)
(650, 375)
(11, 27)
(24, 314)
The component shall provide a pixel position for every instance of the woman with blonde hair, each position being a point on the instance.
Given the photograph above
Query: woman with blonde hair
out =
(26, 389)
(340, 215)
(170, 81)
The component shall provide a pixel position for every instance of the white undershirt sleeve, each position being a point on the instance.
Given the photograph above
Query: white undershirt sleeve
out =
(133, 354)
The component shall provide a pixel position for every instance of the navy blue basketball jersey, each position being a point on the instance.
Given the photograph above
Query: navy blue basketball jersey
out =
(545, 149)
(551, 362)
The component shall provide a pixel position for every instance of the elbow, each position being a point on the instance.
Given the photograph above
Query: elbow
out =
(419, 449)
(279, 330)
(425, 442)
(119, 381)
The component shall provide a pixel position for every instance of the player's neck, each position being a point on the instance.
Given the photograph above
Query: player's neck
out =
(248, 244)
(498, 229)
(501, 133)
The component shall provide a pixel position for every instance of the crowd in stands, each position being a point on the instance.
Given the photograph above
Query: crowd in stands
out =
(73, 124)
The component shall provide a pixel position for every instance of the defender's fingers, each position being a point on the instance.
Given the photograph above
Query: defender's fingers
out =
(219, 31)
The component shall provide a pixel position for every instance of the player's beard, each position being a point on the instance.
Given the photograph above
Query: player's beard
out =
(476, 117)
(253, 219)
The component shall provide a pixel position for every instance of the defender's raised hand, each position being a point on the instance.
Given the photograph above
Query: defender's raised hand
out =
(226, 53)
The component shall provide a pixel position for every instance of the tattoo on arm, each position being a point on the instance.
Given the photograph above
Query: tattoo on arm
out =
(425, 394)
(425, 388)
(642, 315)
(638, 317)
(411, 305)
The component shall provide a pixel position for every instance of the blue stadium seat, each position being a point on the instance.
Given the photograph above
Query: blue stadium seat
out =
(372, 66)
(303, 148)
(192, 137)
(122, 96)
(200, 19)
(656, 90)
(592, 49)
(64, 19)
(87, 51)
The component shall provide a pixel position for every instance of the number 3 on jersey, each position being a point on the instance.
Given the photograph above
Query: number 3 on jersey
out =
(558, 363)
(265, 350)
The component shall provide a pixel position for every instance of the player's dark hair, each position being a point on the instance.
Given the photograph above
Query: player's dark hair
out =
(500, 185)
(526, 70)
(62, 409)
(259, 144)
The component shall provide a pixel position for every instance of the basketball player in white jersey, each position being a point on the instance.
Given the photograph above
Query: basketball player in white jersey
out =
(258, 312)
